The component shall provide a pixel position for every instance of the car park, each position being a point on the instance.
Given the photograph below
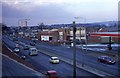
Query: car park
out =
(54, 60)
(16, 50)
(33, 51)
(51, 74)
(106, 60)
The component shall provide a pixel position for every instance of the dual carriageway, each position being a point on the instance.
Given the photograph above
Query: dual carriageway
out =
(91, 67)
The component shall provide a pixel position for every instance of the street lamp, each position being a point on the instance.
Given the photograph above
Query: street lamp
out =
(74, 50)
(81, 29)
(74, 47)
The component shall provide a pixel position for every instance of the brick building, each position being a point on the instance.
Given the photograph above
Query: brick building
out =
(48, 36)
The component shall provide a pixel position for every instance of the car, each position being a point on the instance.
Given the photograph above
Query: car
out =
(32, 44)
(51, 74)
(33, 51)
(17, 45)
(34, 41)
(16, 50)
(54, 60)
(23, 57)
(106, 59)
(26, 47)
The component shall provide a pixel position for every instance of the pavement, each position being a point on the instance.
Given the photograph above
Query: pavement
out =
(101, 49)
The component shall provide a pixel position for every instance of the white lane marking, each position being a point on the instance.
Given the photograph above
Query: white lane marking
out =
(9, 48)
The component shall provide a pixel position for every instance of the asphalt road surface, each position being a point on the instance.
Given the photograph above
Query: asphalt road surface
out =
(81, 56)
(11, 68)
(42, 62)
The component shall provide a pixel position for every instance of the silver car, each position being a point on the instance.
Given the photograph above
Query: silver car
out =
(16, 50)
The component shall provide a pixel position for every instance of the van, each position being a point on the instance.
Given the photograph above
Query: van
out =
(33, 51)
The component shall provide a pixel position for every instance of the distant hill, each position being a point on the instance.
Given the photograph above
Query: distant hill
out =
(106, 23)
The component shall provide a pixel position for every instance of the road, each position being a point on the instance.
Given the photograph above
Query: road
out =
(81, 56)
(42, 62)
(11, 68)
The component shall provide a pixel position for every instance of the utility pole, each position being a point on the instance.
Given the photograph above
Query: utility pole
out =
(74, 50)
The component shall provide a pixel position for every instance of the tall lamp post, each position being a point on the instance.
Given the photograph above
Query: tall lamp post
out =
(74, 50)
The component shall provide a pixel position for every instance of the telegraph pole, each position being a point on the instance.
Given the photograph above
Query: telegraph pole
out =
(74, 50)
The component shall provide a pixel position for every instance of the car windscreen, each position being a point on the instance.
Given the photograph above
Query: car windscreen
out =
(34, 50)
(54, 58)
(109, 58)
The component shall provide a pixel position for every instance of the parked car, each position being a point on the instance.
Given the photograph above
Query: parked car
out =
(33, 51)
(106, 59)
(54, 60)
(51, 74)
(16, 50)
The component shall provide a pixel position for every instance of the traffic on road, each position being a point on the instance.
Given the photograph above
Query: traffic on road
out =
(52, 61)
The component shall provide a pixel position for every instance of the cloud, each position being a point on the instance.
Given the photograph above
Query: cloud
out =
(60, 11)
(27, 4)
(10, 12)
(49, 11)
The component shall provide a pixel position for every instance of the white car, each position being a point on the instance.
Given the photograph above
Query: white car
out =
(33, 51)
(54, 60)
(16, 50)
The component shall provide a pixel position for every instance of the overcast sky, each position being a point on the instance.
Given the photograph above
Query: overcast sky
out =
(58, 11)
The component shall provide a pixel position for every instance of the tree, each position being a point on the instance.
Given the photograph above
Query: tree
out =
(41, 26)
(4, 28)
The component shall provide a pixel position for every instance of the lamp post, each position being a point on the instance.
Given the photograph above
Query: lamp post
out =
(81, 29)
(74, 50)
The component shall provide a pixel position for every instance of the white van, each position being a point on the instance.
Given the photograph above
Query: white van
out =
(33, 51)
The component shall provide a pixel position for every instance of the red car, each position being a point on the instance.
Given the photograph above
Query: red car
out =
(51, 74)
(106, 59)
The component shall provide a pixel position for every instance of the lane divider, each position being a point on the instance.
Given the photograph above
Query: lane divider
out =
(86, 68)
